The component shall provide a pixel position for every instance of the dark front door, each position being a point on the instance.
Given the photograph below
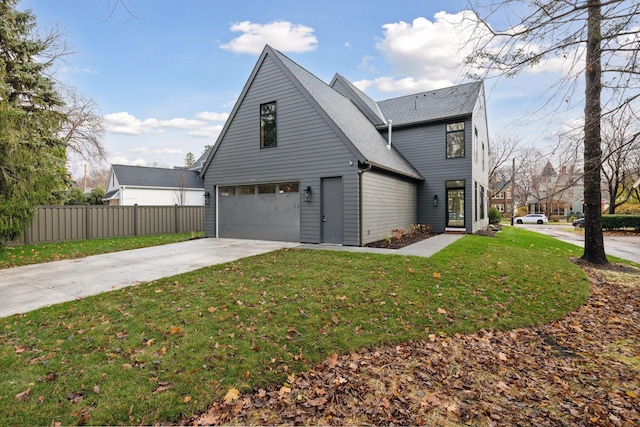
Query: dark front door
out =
(332, 213)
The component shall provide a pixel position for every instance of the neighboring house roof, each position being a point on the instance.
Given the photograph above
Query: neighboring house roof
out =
(143, 176)
(111, 195)
(501, 185)
(199, 163)
(432, 105)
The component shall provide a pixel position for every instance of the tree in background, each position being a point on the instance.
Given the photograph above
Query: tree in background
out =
(33, 156)
(599, 41)
(96, 195)
(621, 154)
(189, 159)
(83, 128)
(75, 196)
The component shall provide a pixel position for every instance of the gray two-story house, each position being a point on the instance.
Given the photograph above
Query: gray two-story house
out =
(305, 161)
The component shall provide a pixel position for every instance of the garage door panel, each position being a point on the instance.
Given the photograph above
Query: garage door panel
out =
(273, 216)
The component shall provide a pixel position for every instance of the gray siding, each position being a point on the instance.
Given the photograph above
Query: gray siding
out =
(308, 149)
(425, 148)
(480, 165)
(387, 203)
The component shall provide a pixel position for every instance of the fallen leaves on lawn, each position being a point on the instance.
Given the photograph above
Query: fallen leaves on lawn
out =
(579, 370)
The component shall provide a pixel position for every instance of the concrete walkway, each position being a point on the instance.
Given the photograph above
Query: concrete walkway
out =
(30, 287)
(425, 248)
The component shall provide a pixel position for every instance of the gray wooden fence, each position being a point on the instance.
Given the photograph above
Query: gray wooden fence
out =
(82, 222)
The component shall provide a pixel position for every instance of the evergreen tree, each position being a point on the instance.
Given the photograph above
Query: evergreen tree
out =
(189, 159)
(32, 155)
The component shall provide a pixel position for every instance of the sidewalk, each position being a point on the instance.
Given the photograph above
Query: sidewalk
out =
(30, 287)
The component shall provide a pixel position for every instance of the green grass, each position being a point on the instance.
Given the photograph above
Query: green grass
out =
(166, 349)
(14, 256)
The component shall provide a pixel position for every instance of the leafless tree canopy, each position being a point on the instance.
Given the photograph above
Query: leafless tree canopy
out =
(540, 32)
(621, 156)
(83, 128)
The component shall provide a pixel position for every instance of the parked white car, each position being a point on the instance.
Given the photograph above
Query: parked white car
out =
(532, 219)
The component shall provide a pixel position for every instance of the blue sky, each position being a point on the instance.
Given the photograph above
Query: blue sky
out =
(166, 73)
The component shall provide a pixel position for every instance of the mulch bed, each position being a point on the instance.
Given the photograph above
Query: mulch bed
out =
(583, 369)
(397, 242)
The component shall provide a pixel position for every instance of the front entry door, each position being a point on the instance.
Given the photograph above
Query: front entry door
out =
(455, 204)
(331, 211)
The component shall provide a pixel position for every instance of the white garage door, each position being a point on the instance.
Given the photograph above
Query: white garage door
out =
(262, 211)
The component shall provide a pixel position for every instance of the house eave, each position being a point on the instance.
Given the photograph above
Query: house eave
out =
(444, 119)
(394, 171)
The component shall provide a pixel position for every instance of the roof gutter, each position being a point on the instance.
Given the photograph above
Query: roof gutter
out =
(389, 133)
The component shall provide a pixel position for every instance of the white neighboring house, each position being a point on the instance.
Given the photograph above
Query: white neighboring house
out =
(146, 186)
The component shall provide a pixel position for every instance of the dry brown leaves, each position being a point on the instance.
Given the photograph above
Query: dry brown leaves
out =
(581, 370)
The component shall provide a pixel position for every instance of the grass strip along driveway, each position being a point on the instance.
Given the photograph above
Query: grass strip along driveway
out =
(15, 256)
(164, 350)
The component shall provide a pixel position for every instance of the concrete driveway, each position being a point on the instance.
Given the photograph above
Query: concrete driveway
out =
(625, 247)
(26, 288)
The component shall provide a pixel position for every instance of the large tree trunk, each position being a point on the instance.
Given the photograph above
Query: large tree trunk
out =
(593, 239)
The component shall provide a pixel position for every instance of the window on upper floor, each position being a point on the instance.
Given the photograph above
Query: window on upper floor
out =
(475, 144)
(268, 128)
(455, 140)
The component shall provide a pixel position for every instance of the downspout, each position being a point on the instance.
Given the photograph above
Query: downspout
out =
(389, 134)
(360, 173)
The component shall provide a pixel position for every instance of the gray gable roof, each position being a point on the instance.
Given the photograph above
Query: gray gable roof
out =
(367, 105)
(369, 144)
(432, 105)
(142, 176)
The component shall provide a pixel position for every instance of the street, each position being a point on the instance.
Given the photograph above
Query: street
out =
(625, 247)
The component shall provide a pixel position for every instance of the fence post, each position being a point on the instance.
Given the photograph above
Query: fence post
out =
(135, 219)
(27, 230)
(86, 223)
(175, 223)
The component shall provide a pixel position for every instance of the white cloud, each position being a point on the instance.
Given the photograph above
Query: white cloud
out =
(145, 150)
(281, 35)
(429, 52)
(365, 64)
(207, 132)
(128, 124)
(212, 117)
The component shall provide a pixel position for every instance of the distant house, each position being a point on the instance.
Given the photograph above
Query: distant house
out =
(305, 161)
(500, 197)
(141, 185)
(557, 194)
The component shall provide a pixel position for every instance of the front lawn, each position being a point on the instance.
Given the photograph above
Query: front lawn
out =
(164, 350)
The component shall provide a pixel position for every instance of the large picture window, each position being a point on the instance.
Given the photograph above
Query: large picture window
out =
(268, 128)
(455, 140)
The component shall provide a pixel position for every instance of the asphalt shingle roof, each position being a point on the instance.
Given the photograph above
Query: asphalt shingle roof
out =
(350, 120)
(431, 105)
(142, 176)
